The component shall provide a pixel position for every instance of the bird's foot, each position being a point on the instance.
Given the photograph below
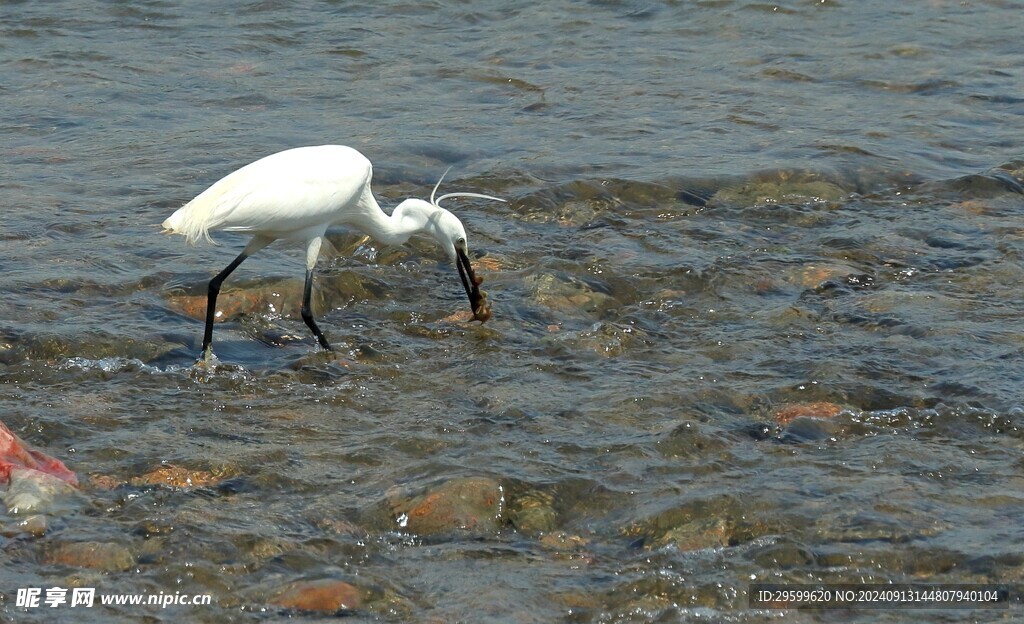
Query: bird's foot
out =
(207, 358)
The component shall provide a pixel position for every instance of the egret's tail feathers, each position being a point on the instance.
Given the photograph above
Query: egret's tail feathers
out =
(190, 223)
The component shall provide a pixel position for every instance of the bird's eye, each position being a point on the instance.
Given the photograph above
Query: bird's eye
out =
(461, 242)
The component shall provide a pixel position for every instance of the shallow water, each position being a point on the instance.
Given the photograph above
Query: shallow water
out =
(717, 210)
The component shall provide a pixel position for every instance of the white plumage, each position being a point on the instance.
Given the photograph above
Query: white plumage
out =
(298, 194)
(283, 194)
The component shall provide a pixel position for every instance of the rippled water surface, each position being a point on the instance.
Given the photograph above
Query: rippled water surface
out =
(757, 308)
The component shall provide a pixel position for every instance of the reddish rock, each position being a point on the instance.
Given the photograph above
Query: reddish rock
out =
(326, 595)
(822, 409)
(470, 503)
(14, 453)
(281, 298)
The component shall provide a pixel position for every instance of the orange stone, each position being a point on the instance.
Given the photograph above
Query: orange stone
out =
(176, 476)
(488, 262)
(326, 595)
(821, 409)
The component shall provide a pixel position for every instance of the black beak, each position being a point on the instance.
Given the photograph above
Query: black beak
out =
(477, 300)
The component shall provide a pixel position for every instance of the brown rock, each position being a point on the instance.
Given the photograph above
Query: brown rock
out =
(462, 316)
(470, 503)
(104, 482)
(696, 535)
(533, 512)
(560, 540)
(103, 556)
(177, 476)
(325, 595)
(35, 526)
(822, 409)
(812, 275)
(282, 299)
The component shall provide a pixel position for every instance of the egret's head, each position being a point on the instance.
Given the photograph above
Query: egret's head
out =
(449, 232)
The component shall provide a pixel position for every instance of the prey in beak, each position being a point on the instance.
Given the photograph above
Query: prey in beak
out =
(477, 298)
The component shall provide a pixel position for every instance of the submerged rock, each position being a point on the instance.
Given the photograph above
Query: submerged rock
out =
(35, 526)
(695, 535)
(178, 477)
(463, 504)
(277, 299)
(570, 295)
(325, 595)
(35, 492)
(785, 414)
(694, 441)
(103, 556)
(533, 512)
(696, 525)
(815, 275)
(779, 188)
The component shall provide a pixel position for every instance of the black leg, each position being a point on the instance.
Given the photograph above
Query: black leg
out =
(211, 301)
(307, 311)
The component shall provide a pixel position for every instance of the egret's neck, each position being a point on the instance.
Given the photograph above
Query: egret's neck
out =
(406, 220)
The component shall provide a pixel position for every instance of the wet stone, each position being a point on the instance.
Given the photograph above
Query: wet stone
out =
(102, 556)
(786, 414)
(277, 299)
(177, 477)
(803, 430)
(695, 535)
(701, 524)
(786, 188)
(533, 512)
(324, 595)
(690, 440)
(565, 296)
(562, 541)
(35, 526)
(603, 339)
(463, 504)
(816, 275)
(782, 555)
(34, 492)
(103, 482)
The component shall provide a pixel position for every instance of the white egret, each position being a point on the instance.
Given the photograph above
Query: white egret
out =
(297, 194)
